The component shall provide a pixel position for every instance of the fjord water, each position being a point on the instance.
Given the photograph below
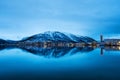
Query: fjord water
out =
(75, 63)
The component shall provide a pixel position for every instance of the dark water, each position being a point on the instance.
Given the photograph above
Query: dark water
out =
(84, 63)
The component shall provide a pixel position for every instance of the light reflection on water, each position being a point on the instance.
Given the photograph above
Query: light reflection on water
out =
(62, 63)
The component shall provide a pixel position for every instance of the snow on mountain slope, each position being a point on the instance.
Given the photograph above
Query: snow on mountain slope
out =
(56, 36)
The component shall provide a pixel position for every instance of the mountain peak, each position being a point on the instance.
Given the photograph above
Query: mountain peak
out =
(56, 36)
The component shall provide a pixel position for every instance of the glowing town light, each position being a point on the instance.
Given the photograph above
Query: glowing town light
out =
(119, 48)
(119, 42)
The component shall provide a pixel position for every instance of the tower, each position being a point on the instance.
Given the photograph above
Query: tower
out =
(101, 38)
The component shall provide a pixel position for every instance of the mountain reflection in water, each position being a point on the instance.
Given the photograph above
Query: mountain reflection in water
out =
(54, 52)
(57, 52)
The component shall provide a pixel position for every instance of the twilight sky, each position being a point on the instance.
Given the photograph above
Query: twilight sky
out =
(21, 18)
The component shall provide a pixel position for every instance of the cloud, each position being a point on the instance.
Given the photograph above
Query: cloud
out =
(84, 17)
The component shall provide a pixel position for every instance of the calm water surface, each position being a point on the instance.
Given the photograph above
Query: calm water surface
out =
(63, 63)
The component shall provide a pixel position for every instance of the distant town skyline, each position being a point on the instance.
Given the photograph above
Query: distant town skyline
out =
(22, 18)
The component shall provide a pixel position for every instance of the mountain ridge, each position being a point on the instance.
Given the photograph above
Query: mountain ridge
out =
(52, 36)
(56, 36)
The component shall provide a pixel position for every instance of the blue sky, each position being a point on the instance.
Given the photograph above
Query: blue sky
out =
(21, 18)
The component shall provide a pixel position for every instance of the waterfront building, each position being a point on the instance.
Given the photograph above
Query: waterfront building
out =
(113, 42)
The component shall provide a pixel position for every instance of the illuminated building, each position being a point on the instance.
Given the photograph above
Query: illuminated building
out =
(113, 42)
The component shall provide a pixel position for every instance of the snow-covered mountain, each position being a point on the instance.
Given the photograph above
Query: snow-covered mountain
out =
(57, 37)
